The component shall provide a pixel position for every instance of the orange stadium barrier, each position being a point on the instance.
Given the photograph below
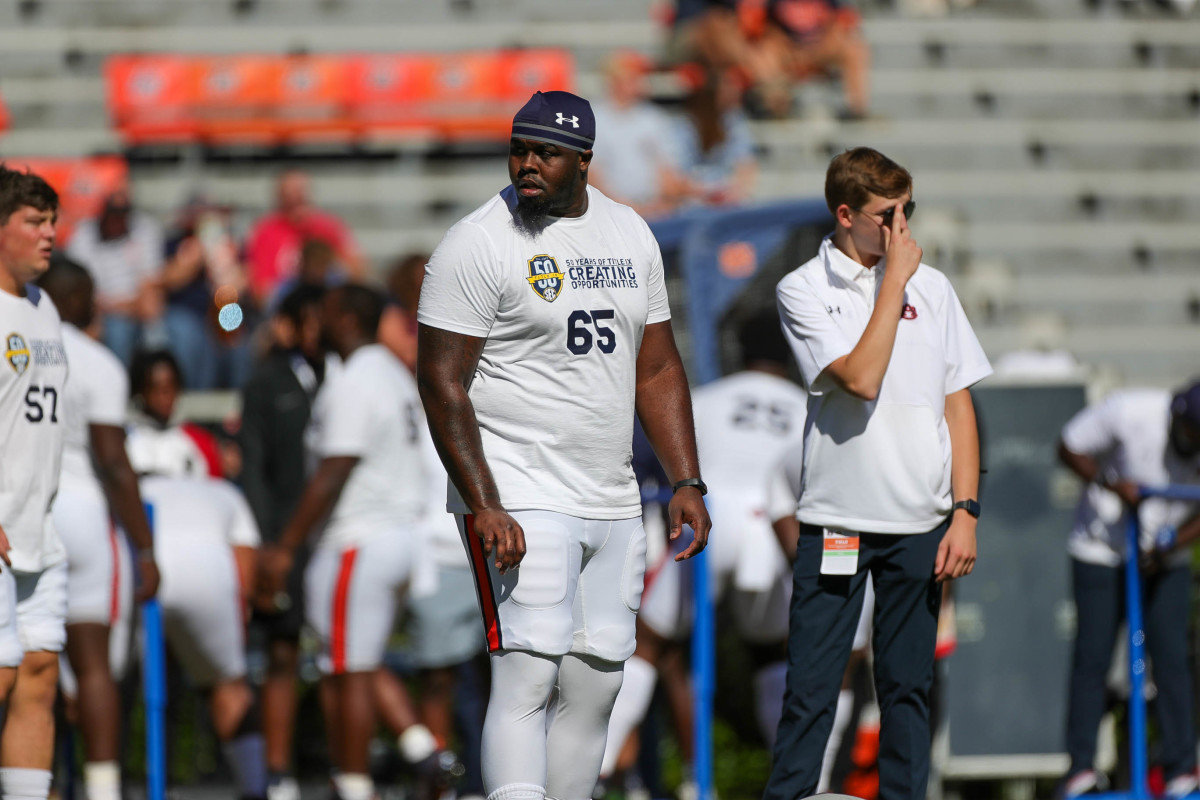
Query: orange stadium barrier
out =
(82, 184)
(150, 98)
(268, 99)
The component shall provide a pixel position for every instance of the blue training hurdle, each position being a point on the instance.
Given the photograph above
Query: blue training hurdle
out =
(1139, 788)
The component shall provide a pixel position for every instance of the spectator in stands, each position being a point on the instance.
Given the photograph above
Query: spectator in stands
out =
(398, 328)
(203, 271)
(276, 405)
(1136, 437)
(803, 38)
(714, 146)
(123, 251)
(274, 244)
(641, 173)
(710, 33)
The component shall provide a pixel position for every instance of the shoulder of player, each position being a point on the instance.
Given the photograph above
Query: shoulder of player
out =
(84, 350)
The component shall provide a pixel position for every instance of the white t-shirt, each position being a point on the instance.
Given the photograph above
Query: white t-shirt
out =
(554, 388)
(630, 169)
(32, 425)
(881, 466)
(744, 424)
(211, 508)
(784, 485)
(119, 267)
(97, 395)
(1127, 434)
(370, 410)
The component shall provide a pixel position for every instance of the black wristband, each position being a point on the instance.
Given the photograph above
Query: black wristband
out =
(696, 482)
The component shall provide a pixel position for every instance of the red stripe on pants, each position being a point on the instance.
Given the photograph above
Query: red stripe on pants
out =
(483, 578)
(114, 609)
(337, 637)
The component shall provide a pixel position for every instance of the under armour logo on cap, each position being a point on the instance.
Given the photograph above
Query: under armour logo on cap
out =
(559, 118)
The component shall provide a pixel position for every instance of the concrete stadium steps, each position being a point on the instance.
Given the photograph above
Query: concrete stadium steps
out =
(1155, 355)
(1083, 299)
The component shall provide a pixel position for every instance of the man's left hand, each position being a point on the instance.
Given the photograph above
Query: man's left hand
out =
(687, 507)
(956, 553)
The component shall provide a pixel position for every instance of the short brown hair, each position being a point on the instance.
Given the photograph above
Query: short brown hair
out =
(855, 174)
(19, 189)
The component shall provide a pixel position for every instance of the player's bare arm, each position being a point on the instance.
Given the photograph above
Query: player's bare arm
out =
(121, 488)
(664, 405)
(861, 371)
(956, 554)
(1088, 469)
(445, 367)
(320, 495)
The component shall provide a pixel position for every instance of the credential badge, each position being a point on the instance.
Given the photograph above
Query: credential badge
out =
(545, 277)
(17, 352)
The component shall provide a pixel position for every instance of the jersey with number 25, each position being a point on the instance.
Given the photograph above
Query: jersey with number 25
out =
(563, 313)
(32, 379)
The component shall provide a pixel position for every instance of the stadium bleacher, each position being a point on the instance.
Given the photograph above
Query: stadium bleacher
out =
(1060, 143)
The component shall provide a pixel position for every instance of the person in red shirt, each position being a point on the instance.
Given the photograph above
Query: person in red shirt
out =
(273, 246)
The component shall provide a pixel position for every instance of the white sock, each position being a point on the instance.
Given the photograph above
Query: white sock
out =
(25, 784)
(417, 743)
(769, 683)
(247, 759)
(841, 718)
(518, 791)
(354, 786)
(633, 701)
(102, 780)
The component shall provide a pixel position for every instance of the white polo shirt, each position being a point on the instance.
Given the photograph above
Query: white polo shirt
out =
(880, 466)
(1127, 434)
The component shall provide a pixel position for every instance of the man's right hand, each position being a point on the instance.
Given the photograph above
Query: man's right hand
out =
(1129, 492)
(903, 254)
(503, 535)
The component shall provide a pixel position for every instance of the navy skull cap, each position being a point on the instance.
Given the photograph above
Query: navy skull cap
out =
(1186, 404)
(559, 118)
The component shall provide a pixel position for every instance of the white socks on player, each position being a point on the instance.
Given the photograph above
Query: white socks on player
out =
(587, 688)
(102, 779)
(841, 719)
(353, 786)
(24, 784)
(629, 710)
(769, 683)
(417, 743)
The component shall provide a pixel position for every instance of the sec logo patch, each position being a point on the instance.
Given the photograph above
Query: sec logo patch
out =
(16, 352)
(545, 277)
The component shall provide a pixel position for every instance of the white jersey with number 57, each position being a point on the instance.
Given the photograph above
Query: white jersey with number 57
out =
(563, 312)
(32, 379)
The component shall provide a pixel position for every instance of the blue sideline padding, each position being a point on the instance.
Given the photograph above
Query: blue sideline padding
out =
(720, 254)
(1139, 788)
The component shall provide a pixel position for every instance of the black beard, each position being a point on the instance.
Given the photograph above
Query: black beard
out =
(530, 214)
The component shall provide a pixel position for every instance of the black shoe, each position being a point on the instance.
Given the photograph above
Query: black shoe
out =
(437, 775)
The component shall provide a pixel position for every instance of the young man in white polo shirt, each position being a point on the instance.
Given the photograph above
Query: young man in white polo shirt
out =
(1135, 437)
(891, 471)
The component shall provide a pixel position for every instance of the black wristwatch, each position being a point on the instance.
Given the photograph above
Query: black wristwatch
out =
(970, 506)
(699, 484)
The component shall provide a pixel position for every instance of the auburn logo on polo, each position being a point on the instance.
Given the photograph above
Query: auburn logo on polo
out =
(545, 277)
(909, 311)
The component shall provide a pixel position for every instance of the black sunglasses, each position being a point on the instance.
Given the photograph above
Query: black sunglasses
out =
(886, 216)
